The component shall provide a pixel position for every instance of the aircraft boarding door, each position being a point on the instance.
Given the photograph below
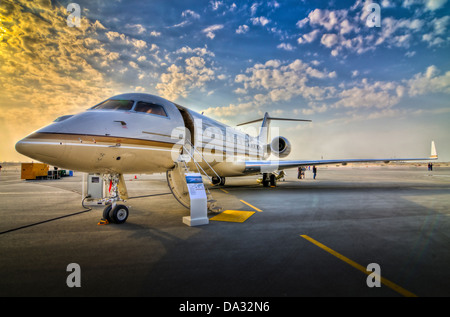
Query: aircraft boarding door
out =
(197, 194)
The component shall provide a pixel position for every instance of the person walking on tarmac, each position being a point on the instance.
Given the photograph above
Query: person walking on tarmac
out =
(314, 172)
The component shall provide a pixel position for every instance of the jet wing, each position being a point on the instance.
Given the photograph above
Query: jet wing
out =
(275, 165)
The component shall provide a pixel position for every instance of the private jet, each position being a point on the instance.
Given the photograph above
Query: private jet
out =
(139, 133)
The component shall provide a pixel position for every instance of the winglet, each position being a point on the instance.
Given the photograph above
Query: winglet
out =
(433, 155)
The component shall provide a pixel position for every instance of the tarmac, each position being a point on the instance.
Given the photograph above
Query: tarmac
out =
(303, 238)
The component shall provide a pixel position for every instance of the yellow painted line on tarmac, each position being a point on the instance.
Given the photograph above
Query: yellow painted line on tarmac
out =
(359, 267)
(223, 190)
(257, 209)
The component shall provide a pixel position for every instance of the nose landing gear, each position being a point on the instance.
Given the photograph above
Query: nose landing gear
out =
(114, 212)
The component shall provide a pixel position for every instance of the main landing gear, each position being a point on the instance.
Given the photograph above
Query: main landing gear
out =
(115, 212)
(269, 179)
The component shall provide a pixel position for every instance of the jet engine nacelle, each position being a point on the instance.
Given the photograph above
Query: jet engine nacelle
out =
(280, 146)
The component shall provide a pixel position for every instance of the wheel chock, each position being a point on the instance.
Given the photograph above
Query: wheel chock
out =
(103, 222)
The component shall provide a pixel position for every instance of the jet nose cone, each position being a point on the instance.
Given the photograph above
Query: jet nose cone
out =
(22, 147)
(35, 146)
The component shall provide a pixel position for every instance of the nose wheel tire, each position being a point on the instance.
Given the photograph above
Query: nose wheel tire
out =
(106, 213)
(117, 215)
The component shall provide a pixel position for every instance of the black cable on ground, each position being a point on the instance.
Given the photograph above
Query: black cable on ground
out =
(49, 220)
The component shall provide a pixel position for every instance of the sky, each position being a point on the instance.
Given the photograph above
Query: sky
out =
(371, 91)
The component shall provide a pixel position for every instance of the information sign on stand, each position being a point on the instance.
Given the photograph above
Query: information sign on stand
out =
(197, 194)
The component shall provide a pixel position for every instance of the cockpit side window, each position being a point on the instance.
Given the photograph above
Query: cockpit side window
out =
(111, 104)
(151, 108)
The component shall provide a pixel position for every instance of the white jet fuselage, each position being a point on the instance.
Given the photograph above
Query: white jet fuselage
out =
(123, 141)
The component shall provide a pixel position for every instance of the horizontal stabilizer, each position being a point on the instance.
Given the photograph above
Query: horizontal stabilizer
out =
(271, 118)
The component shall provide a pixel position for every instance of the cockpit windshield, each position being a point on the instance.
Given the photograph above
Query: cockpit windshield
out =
(112, 104)
(151, 108)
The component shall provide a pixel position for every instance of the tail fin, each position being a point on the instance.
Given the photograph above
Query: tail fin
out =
(264, 131)
(433, 155)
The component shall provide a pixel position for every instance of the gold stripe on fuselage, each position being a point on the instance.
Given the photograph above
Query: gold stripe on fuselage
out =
(98, 138)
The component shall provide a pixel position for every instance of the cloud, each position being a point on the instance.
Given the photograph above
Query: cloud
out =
(387, 4)
(242, 29)
(286, 46)
(398, 32)
(209, 31)
(134, 65)
(329, 19)
(434, 4)
(429, 82)
(215, 5)
(309, 37)
(378, 95)
(230, 110)
(437, 34)
(111, 35)
(314, 108)
(344, 31)
(178, 81)
(260, 21)
(189, 17)
(329, 40)
(200, 51)
(138, 28)
(253, 8)
(190, 14)
(276, 81)
(139, 44)
(276, 77)
(428, 5)
(58, 51)
(387, 94)
(126, 40)
(48, 69)
(301, 23)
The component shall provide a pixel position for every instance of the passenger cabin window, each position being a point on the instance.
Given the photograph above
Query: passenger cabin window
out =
(151, 108)
(114, 105)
